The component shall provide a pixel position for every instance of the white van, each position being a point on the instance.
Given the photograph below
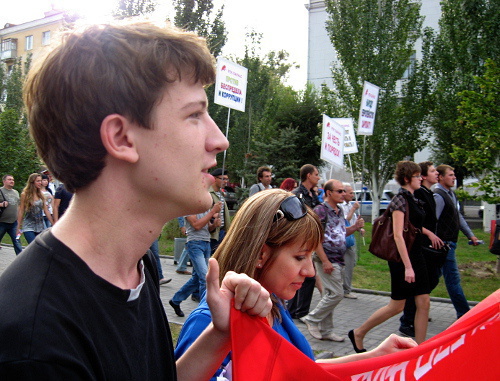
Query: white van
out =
(365, 201)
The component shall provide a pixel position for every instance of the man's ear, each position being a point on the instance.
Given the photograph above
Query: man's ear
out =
(117, 135)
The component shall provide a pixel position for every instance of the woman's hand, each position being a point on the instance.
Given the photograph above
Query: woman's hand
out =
(436, 242)
(392, 344)
(249, 296)
(409, 274)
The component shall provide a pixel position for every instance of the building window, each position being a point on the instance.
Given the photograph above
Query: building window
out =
(46, 38)
(29, 42)
(411, 67)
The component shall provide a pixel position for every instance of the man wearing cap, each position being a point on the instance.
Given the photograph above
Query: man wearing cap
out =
(221, 179)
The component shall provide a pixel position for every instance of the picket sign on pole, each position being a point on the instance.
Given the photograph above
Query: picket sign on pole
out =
(366, 120)
(332, 142)
(230, 90)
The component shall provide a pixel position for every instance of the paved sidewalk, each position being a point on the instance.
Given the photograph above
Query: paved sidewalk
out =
(349, 314)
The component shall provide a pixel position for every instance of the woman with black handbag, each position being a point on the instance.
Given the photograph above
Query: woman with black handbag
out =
(409, 278)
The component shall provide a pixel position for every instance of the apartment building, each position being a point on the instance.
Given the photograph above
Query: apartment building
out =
(29, 38)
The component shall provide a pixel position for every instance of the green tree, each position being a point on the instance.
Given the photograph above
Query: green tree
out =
(131, 8)
(374, 41)
(467, 37)
(196, 16)
(17, 149)
(478, 143)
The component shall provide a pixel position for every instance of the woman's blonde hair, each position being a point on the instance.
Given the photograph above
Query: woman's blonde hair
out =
(254, 225)
(30, 190)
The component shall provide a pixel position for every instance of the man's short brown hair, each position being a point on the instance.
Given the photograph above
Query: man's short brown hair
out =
(305, 170)
(102, 71)
(443, 168)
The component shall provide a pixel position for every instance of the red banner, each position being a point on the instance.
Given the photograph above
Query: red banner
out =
(467, 350)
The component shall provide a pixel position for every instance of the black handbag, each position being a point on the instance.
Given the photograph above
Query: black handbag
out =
(438, 256)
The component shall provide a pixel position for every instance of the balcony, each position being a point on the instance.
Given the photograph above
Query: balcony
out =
(9, 49)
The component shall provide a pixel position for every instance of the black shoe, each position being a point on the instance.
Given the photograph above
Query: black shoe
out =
(177, 308)
(195, 298)
(353, 342)
(407, 331)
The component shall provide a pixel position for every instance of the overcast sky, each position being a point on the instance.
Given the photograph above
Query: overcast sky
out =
(282, 22)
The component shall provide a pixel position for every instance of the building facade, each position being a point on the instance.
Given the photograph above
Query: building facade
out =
(29, 38)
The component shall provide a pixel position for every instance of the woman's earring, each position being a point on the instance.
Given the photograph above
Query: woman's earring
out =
(259, 264)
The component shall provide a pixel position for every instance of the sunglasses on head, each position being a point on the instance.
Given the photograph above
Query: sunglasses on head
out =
(292, 208)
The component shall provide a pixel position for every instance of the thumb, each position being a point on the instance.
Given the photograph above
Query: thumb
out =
(212, 276)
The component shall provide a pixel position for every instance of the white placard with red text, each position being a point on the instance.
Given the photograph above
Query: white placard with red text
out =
(332, 142)
(230, 84)
(368, 109)
(350, 145)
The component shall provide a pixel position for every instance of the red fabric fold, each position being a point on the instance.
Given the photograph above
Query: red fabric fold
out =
(467, 350)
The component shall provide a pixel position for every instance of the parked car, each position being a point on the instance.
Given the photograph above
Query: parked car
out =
(480, 212)
(230, 197)
(366, 204)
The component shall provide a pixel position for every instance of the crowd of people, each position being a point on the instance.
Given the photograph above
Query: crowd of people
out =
(39, 206)
(99, 314)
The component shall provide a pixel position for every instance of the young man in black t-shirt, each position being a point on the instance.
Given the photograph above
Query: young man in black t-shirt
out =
(119, 115)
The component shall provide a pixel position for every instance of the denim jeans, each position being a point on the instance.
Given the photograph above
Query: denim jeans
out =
(452, 281)
(199, 252)
(183, 260)
(11, 230)
(156, 253)
(30, 236)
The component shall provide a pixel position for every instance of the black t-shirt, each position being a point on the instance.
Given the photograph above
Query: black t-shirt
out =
(59, 320)
(65, 196)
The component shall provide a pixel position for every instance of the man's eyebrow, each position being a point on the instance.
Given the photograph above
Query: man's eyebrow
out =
(195, 104)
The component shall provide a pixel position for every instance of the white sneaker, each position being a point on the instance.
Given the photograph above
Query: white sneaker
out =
(350, 296)
(312, 328)
(333, 337)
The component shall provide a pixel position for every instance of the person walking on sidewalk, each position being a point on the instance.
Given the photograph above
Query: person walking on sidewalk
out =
(350, 255)
(9, 202)
(429, 176)
(408, 277)
(301, 303)
(198, 228)
(329, 261)
(449, 222)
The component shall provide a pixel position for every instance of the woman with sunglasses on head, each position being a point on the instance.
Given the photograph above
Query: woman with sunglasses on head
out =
(409, 278)
(271, 239)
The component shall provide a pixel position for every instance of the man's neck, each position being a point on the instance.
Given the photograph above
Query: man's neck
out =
(307, 184)
(215, 188)
(426, 184)
(333, 204)
(444, 186)
(6, 187)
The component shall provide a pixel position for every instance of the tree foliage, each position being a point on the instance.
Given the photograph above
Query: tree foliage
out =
(467, 37)
(131, 8)
(17, 149)
(478, 138)
(197, 16)
(374, 41)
